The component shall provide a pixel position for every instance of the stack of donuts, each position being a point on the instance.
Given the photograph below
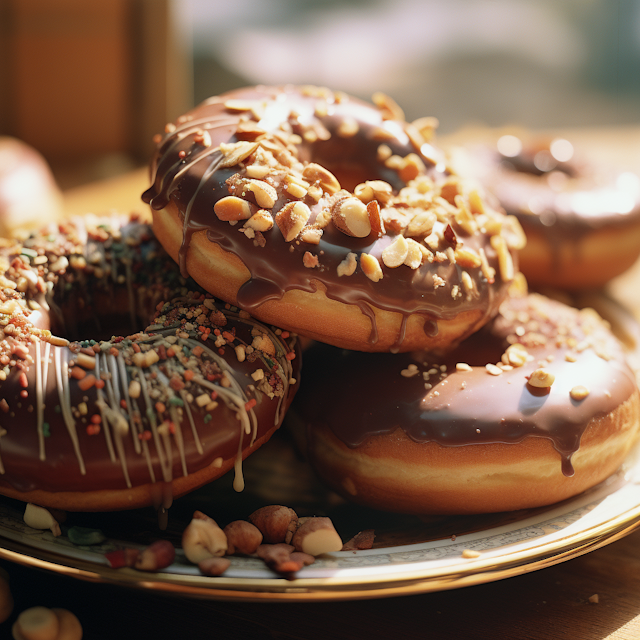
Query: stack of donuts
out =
(433, 384)
(436, 383)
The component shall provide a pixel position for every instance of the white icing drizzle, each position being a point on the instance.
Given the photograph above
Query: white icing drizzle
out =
(105, 422)
(166, 470)
(40, 402)
(62, 380)
(145, 448)
(125, 392)
(120, 428)
(194, 430)
(173, 412)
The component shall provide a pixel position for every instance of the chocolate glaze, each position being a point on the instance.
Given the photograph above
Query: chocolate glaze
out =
(360, 396)
(46, 440)
(185, 173)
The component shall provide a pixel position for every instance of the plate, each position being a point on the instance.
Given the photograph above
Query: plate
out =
(410, 554)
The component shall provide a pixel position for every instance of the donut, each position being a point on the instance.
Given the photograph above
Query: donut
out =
(581, 218)
(110, 423)
(29, 195)
(336, 218)
(537, 407)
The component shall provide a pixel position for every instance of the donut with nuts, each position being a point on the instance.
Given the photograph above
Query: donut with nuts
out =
(331, 216)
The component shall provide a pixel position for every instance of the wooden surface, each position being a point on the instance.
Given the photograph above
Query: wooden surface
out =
(550, 604)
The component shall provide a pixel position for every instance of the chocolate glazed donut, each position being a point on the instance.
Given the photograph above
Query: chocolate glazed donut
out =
(126, 422)
(250, 195)
(536, 407)
(581, 218)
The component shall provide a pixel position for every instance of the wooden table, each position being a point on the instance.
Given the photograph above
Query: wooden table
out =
(593, 597)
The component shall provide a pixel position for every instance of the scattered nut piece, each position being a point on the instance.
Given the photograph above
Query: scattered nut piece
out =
(594, 599)
(470, 553)
(203, 538)
(122, 558)
(311, 235)
(156, 556)
(462, 366)
(348, 266)
(236, 152)
(40, 518)
(242, 537)
(309, 260)
(541, 378)
(579, 392)
(493, 369)
(371, 267)
(316, 536)
(362, 540)
(275, 522)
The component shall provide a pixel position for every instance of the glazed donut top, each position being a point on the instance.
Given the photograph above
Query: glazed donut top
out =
(410, 238)
(546, 184)
(203, 382)
(484, 391)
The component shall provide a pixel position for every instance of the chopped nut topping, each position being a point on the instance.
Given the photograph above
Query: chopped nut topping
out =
(314, 173)
(348, 266)
(371, 267)
(395, 253)
(310, 260)
(232, 208)
(236, 152)
(426, 126)
(410, 371)
(351, 217)
(467, 258)
(493, 369)
(414, 257)
(541, 378)
(265, 194)
(311, 235)
(292, 218)
(388, 106)
(347, 128)
(579, 392)
(261, 220)
(383, 153)
(421, 224)
(463, 366)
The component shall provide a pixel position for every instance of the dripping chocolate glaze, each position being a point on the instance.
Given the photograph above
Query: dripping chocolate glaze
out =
(186, 173)
(369, 396)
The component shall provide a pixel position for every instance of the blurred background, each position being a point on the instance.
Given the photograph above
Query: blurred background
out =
(89, 83)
